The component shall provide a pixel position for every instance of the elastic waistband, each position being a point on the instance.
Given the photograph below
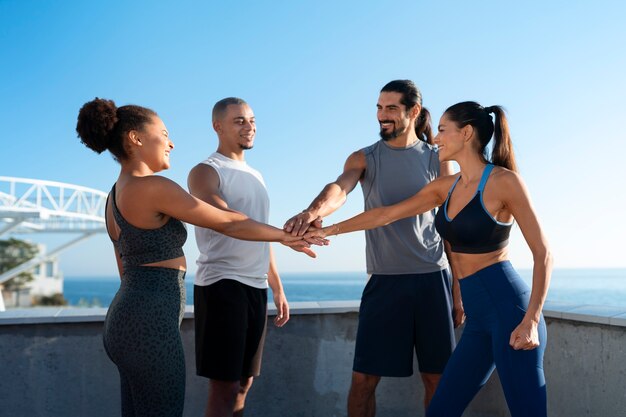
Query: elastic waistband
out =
(148, 278)
(504, 266)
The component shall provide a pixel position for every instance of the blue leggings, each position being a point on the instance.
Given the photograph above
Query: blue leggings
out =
(495, 300)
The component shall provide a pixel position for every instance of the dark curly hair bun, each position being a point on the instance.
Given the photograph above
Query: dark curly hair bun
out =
(96, 121)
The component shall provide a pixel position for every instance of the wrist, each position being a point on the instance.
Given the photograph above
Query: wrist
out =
(310, 211)
(532, 319)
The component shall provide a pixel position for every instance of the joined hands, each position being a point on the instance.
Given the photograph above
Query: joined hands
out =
(305, 230)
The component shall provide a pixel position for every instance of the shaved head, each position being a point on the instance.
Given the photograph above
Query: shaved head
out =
(220, 107)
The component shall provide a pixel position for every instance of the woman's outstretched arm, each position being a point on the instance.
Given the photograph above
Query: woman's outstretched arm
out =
(429, 197)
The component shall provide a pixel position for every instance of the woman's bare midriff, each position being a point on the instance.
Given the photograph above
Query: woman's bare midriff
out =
(466, 264)
(176, 263)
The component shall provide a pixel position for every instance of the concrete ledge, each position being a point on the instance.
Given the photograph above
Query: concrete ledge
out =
(54, 365)
(612, 316)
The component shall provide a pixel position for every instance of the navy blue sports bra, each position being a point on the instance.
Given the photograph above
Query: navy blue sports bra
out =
(137, 246)
(473, 230)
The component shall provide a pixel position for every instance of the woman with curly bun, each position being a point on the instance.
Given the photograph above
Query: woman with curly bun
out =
(144, 215)
(505, 328)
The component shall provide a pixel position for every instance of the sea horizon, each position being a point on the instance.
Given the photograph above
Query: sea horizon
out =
(591, 286)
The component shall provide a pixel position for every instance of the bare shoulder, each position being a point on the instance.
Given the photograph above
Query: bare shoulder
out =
(356, 160)
(505, 176)
(507, 182)
(150, 184)
(201, 172)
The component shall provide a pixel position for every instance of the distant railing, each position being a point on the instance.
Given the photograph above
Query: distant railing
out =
(28, 205)
(32, 206)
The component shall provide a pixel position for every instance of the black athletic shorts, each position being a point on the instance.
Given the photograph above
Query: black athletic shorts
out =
(400, 314)
(230, 322)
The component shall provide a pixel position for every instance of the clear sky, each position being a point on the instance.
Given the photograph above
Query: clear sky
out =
(312, 71)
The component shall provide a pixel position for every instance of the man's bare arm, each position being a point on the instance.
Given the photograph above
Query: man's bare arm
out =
(332, 197)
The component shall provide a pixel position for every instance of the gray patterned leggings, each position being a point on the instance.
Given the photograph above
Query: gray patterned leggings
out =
(142, 337)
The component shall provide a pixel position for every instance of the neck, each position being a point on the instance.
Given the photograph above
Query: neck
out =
(471, 167)
(404, 140)
(236, 154)
(135, 168)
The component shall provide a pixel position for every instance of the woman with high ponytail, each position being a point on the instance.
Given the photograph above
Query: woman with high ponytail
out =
(144, 215)
(504, 327)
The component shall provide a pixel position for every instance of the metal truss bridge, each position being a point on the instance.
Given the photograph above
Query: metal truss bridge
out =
(37, 206)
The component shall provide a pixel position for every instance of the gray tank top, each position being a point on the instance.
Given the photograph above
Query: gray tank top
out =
(411, 245)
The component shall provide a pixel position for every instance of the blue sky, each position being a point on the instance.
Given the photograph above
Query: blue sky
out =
(312, 72)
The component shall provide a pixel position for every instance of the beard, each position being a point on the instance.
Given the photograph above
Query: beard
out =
(246, 147)
(391, 135)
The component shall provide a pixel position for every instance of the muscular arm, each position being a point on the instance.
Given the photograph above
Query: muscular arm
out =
(429, 197)
(204, 182)
(280, 300)
(332, 197)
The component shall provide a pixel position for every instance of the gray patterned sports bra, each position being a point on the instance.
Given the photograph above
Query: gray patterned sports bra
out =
(137, 246)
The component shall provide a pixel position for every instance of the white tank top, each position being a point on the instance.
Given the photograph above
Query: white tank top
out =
(223, 257)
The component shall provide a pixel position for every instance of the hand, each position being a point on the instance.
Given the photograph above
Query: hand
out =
(299, 223)
(525, 336)
(282, 310)
(458, 314)
(301, 246)
(317, 234)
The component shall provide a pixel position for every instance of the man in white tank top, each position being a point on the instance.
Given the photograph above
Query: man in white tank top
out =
(230, 291)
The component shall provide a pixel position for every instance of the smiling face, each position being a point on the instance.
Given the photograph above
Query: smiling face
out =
(236, 128)
(450, 138)
(153, 145)
(393, 117)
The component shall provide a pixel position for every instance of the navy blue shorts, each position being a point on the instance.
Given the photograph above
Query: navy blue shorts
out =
(400, 314)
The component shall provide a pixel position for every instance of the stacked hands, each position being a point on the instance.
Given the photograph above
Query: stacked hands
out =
(305, 230)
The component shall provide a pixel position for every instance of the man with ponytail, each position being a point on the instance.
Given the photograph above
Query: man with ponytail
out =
(505, 328)
(407, 302)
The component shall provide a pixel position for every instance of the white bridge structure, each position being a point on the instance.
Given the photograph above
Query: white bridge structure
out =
(37, 206)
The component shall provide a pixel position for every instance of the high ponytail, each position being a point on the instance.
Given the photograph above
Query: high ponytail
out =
(479, 117)
(101, 125)
(502, 153)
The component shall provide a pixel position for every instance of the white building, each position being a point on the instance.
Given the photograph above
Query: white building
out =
(47, 281)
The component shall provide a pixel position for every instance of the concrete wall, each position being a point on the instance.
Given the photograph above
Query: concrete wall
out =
(53, 364)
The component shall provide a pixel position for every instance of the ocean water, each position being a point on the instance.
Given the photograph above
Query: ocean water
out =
(581, 286)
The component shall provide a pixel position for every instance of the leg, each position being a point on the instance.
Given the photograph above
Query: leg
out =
(384, 340)
(143, 336)
(240, 402)
(434, 329)
(158, 382)
(520, 371)
(362, 396)
(467, 371)
(521, 375)
(430, 386)
(222, 398)
(128, 409)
